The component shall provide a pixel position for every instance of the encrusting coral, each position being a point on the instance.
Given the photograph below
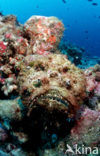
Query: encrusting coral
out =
(44, 33)
(93, 86)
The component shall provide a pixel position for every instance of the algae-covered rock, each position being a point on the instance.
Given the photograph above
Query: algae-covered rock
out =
(92, 75)
(10, 109)
(44, 33)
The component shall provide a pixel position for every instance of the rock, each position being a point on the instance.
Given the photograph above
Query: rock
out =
(93, 85)
(3, 134)
(97, 77)
(18, 152)
(3, 153)
(44, 33)
(87, 129)
(10, 109)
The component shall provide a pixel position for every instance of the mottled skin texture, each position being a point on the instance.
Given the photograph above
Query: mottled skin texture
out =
(52, 82)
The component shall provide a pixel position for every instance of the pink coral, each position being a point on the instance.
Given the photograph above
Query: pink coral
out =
(91, 84)
(93, 80)
(87, 128)
(2, 80)
(8, 36)
(20, 39)
(88, 117)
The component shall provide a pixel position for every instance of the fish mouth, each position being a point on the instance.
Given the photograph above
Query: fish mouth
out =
(54, 99)
(51, 101)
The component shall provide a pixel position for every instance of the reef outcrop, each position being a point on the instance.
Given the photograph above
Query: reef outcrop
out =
(44, 34)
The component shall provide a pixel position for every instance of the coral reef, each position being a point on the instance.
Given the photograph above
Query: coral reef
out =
(74, 53)
(39, 35)
(44, 98)
(78, 55)
(10, 55)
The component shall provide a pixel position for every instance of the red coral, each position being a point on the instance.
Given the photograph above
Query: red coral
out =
(88, 119)
(2, 80)
(52, 39)
(2, 47)
(91, 84)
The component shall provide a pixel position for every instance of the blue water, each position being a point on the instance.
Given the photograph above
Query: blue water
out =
(80, 17)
